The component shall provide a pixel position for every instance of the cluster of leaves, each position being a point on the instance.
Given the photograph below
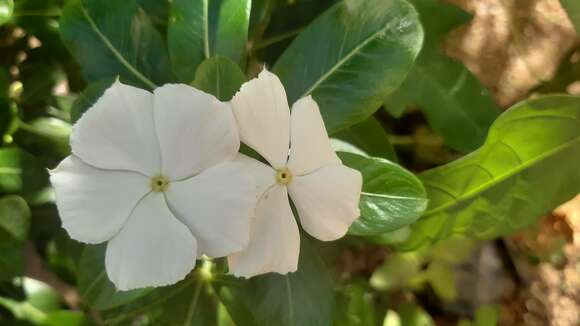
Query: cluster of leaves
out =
(366, 63)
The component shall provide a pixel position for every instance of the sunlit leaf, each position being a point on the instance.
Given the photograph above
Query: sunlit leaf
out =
(527, 166)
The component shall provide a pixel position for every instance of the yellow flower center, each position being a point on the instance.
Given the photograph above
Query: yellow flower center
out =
(283, 176)
(159, 183)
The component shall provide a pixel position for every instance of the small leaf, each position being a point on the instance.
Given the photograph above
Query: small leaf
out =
(20, 172)
(301, 298)
(115, 38)
(200, 29)
(94, 286)
(392, 197)
(412, 315)
(527, 166)
(367, 50)
(6, 11)
(220, 77)
(355, 306)
(456, 104)
(66, 318)
(14, 219)
(572, 8)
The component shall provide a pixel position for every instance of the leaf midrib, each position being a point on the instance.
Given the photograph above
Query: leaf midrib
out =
(347, 57)
(491, 183)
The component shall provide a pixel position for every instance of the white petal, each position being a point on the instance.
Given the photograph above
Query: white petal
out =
(310, 145)
(93, 203)
(195, 130)
(218, 204)
(275, 239)
(263, 117)
(118, 132)
(152, 249)
(327, 200)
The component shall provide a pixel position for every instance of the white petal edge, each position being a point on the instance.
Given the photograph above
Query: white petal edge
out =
(263, 117)
(195, 130)
(152, 249)
(94, 204)
(327, 200)
(275, 240)
(118, 132)
(310, 147)
(218, 204)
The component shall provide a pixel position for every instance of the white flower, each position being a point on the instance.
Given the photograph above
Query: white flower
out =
(325, 192)
(159, 177)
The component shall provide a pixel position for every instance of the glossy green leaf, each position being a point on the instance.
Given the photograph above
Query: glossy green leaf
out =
(20, 172)
(527, 166)
(89, 97)
(301, 298)
(456, 104)
(49, 134)
(200, 29)
(66, 318)
(94, 286)
(6, 11)
(367, 50)
(220, 77)
(392, 197)
(370, 137)
(115, 38)
(572, 8)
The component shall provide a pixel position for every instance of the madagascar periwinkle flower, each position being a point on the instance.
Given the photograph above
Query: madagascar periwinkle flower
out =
(303, 165)
(158, 176)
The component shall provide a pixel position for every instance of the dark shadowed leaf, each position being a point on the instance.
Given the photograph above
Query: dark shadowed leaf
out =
(220, 77)
(367, 49)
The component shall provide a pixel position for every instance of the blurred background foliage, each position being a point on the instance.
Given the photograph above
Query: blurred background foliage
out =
(455, 266)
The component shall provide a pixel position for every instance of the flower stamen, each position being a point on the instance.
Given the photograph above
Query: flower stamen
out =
(159, 183)
(283, 176)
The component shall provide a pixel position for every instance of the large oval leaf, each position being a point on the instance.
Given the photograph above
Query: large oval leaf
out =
(20, 172)
(392, 197)
(351, 58)
(115, 38)
(200, 29)
(457, 106)
(14, 226)
(527, 166)
(370, 137)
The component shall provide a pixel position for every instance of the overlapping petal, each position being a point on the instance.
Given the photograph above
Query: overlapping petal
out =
(93, 203)
(327, 200)
(195, 130)
(218, 204)
(153, 249)
(275, 239)
(310, 145)
(263, 117)
(118, 132)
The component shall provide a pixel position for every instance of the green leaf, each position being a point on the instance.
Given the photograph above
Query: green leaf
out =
(11, 260)
(219, 76)
(89, 97)
(412, 315)
(486, 315)
(392, 197)
(456, 104)
(397, 271)
(442, 278)
(370, 137)
(66, 318)
(367, 49)
(14, 219)
(527, 166)
(115, 38)
(6, 11)
(48, 134)
(200, 29)
(355, 307)
(20, 172)
(94, 286)
(301, 298)
(572, 8)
